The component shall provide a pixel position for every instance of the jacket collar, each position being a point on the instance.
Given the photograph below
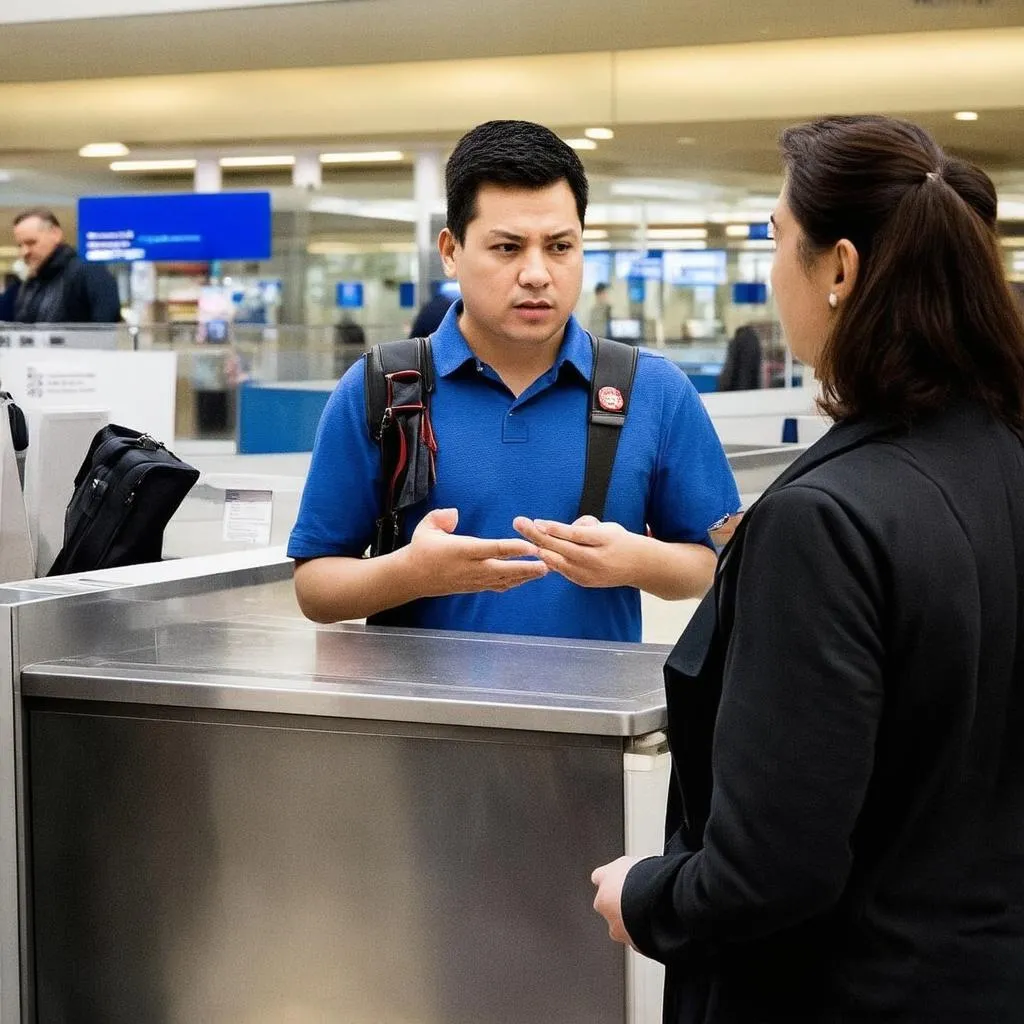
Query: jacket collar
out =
(843, 436)
(55, 262)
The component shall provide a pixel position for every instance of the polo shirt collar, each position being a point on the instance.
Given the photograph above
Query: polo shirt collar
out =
(451, 350)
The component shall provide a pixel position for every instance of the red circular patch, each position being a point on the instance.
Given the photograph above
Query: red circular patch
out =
(610, 399)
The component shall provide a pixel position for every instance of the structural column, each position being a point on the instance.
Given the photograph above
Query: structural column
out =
(428, 194)
(307, 172)
(207, 175)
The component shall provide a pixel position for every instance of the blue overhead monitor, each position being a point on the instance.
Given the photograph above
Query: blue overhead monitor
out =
(349, 294)
(406, 294)
(450, 289)
(749, 293)
(637, 264)
(597, 268)
(175, 227)
(695, 268)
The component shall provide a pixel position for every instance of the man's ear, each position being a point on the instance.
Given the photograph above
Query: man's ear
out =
(446, 246)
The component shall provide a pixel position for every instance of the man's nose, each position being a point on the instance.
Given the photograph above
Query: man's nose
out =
(534, 272)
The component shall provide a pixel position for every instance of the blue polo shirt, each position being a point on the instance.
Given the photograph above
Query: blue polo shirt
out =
(500, 457)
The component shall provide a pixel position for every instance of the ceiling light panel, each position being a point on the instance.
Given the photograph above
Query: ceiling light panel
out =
(104, 149)
(386, 156)
(257, 161)
(127, 166)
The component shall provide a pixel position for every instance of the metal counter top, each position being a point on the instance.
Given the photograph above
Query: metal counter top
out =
(285, 665)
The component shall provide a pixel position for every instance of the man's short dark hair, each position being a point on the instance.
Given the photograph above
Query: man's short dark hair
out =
(600, 288)
(513, 154)
(45, 215)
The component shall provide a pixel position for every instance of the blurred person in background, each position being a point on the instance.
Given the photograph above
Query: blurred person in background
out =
(61, 288)
(600, 318)
(742, 368)
(349, 344)
(846, 709)
(9, 296)
(429, 318)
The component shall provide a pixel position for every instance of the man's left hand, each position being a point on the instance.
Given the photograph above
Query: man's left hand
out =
(609, 879)
(587, 552)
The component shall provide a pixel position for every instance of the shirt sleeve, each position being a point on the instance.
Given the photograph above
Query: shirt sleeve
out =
(694, 489)
(341, 498)
(794, 739)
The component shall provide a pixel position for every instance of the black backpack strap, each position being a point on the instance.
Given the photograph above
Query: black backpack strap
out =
(398, 381)
(391, 357)
(610, 387)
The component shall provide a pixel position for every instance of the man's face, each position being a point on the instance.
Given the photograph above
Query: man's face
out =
(520, 269)
(36, 240)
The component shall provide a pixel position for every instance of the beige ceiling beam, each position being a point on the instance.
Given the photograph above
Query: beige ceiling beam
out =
(805, 78)
(923, 72)
(382, 99)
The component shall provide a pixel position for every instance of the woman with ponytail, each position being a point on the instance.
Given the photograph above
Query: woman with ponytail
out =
(846, 709)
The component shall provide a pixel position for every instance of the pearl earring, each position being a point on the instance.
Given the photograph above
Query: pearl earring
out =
(833, 299)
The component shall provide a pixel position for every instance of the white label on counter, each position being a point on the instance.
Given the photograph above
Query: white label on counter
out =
(248, 516)
(51, 380)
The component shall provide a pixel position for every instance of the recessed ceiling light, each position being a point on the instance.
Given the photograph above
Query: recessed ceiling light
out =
(153, 165)
(104, 149)
(382, 157)
(737, 230)
(257, 161)
(580, 143)
(595, 234)
(602, 134)
(686, 140)
(966, 115)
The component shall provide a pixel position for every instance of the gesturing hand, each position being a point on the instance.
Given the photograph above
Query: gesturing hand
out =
(587, 552)
(447, 564)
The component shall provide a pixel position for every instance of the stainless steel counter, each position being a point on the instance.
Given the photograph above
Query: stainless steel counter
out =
(288, 666)
(230, 814)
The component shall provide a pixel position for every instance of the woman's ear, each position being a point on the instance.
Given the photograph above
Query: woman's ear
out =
(847, 267)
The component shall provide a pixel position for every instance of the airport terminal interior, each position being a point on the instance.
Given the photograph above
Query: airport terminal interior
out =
(277, 822)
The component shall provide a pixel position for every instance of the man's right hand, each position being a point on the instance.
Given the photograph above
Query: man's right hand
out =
(446, 564)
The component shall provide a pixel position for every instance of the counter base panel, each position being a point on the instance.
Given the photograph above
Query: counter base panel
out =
(200, 865)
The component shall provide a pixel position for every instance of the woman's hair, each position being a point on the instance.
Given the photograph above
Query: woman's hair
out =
(931, 317)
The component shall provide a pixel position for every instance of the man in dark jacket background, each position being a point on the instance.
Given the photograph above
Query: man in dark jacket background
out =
(61, 288)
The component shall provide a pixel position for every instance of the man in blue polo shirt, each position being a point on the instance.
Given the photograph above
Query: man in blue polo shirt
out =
(510, 410)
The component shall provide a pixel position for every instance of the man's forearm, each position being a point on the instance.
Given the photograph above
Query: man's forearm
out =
(673, 571)
(330, 589)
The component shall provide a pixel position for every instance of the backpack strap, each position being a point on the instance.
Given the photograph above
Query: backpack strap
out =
(398, 380)
(611, 384)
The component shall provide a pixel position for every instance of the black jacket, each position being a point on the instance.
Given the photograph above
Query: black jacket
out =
(67, 290)
(429, 318)
(846, 715)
